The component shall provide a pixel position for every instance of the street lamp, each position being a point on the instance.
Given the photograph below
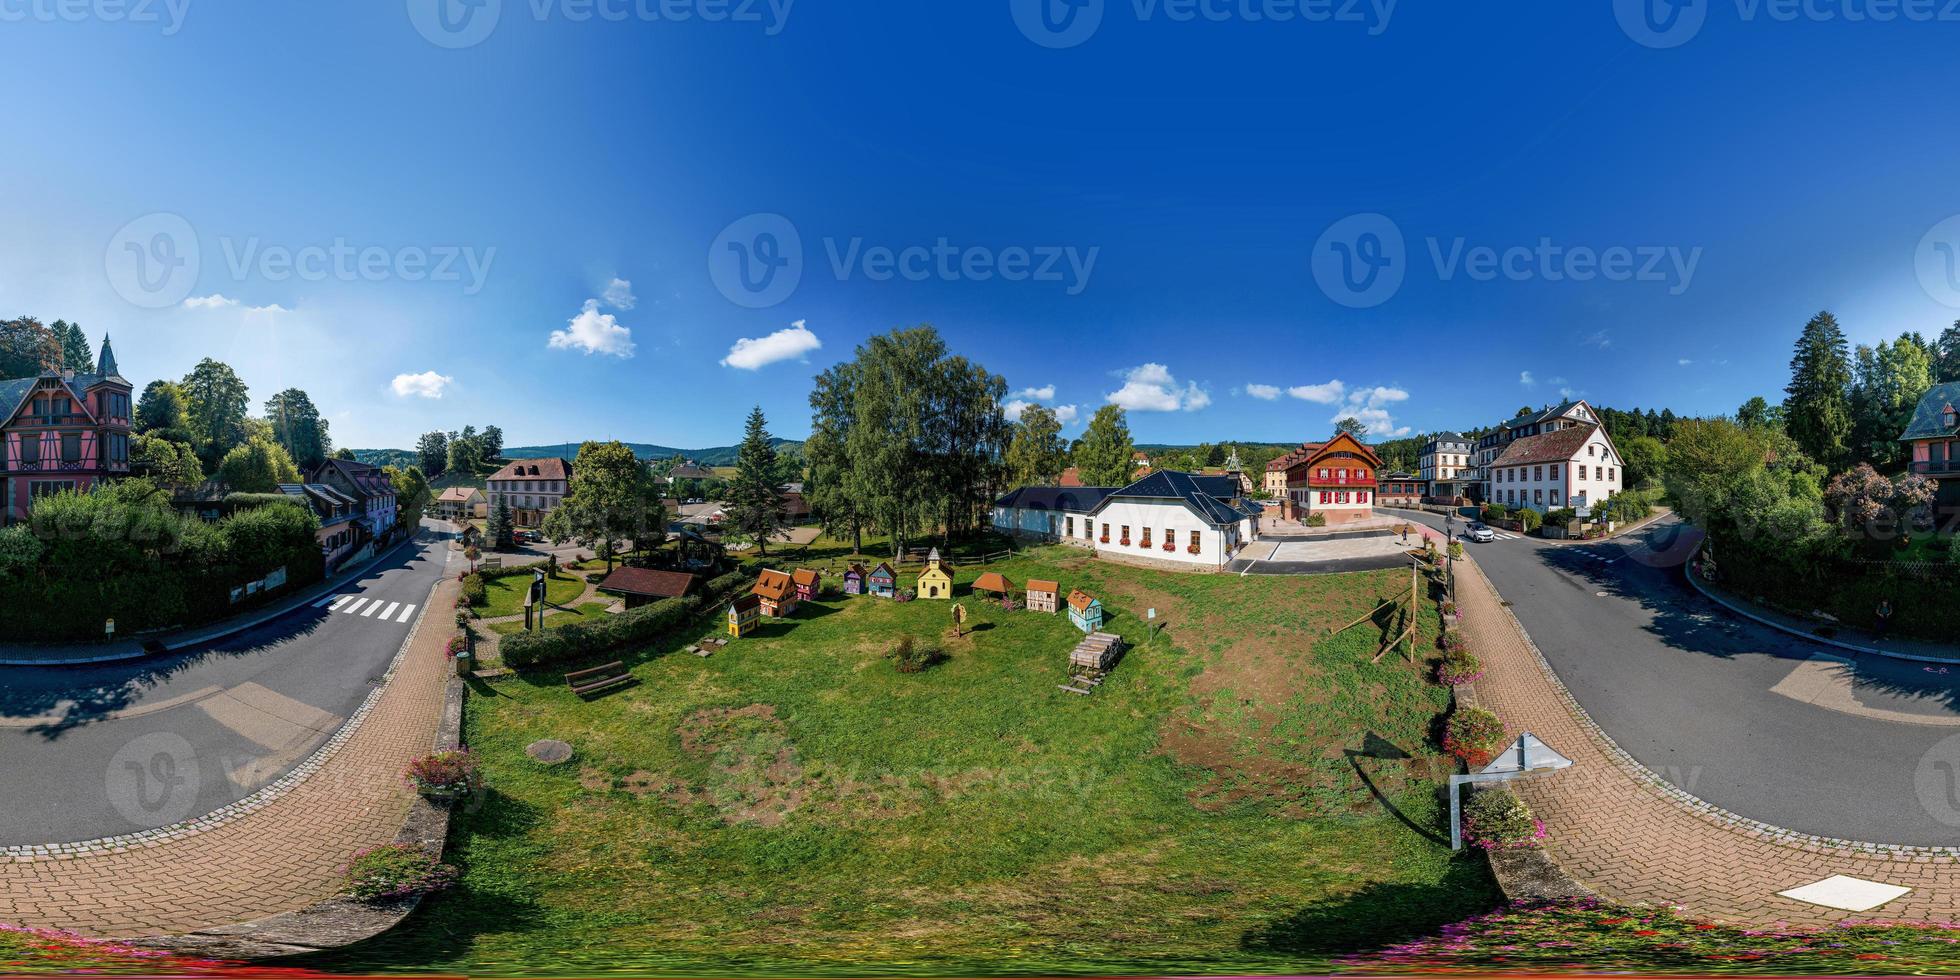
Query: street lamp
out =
(1525, 757)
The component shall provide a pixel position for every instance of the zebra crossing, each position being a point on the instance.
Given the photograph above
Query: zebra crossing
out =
(350, 604)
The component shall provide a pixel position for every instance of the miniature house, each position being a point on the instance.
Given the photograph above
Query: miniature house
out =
(743, 615)
(994, 584)
(882, 582)
(936, 582)
(808, 582)
(1043, 595)
(777, 591)
(1085, 611)
(854, 579)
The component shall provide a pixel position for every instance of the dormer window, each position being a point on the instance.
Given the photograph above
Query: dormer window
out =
(1952, 418)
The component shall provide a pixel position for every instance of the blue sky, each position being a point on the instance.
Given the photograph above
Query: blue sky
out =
(1156, 210)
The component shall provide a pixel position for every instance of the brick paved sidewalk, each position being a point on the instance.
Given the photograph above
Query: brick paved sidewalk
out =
(1633, 839)
(284, 855)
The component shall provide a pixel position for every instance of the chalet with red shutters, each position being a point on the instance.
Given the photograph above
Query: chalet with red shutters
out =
(1337, 481)
(62, 431)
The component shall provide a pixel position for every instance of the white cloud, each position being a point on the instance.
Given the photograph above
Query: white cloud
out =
(594, 333)
(1326, 394)
(1014, 408)
(751, 353)
(1063, 413)
(270, 309)
(1684, 362)
(1066, 414)
(1600, 339)
(212, 302)
(619, 295)
(1264, 393)
(1041, 394)
(1525, 378)
(1151, 388)
(1370, 407)
(428, 384)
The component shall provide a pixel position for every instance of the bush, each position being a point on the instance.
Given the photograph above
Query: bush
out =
(1452, 641)
(1496, 512)
(452, 773)
(476, 590)
(724, 586)
(1472, 736)
(1456, 549)
(1316, 520)
(1496, 820)
(1561, 516)
(1528, 519)
(558, 644)
(489, 574)
(395, 871)
(910, 659)
(1459, 667)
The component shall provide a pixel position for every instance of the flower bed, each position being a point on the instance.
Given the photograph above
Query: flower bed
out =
(396, 871)
(1495, 820)
(445, 774)
(51, 952)
(1460, 667)
(1471, 735)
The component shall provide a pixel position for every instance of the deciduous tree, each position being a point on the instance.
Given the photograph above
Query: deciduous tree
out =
(215, 403)
(1103, 459)
(298, 426)
(1036, 450)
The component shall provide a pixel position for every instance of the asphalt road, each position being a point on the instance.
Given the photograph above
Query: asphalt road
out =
(98, 751)
(1729, 710)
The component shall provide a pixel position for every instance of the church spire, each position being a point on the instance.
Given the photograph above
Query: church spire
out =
(106, 364)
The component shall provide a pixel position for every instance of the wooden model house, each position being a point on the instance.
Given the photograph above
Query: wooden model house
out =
(1085, 611)
(1043, 595)
(882, 582)
(777, 591)
(809, 582)
(854, 579)
(936, 582)
(994, 584)
(744, 615)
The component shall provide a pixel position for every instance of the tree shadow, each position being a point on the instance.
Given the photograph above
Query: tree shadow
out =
(1374, 746)
(1380, 914)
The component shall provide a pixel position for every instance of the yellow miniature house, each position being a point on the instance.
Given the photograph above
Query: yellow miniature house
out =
(744, 615)
(936, 582)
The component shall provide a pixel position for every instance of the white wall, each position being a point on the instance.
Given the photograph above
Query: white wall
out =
(1547, 486)
(1159, 516)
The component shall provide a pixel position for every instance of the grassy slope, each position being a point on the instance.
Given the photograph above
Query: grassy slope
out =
(506, 595)
(794, 805)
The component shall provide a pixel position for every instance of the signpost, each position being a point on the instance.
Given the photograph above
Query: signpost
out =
(109, 629)
(1525, 757)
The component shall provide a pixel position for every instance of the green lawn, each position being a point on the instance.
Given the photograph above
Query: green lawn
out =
(557, 617)
(795, 806)
(506, 595)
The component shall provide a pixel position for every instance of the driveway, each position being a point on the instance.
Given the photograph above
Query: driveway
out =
(1767, 725)
(88, 752)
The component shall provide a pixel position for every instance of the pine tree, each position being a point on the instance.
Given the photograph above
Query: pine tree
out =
(1946, 355)
(75, 352)
(1818, 411)
(500, 531)
(755, 499)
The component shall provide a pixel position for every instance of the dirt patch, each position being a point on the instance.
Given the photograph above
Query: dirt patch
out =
(753, 773)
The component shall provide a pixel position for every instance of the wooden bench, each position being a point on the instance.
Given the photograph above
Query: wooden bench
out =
(586, 683)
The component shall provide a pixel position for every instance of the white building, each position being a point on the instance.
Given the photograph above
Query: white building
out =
(1573, 466)
(1048, 513)
(1564, 416)
(1445, 464)
(1169, 516)
(531, 488)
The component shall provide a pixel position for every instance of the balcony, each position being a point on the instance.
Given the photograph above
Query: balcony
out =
(1937, 468)
(50, 466)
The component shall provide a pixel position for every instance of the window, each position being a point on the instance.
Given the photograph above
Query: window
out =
(48, 488)
(1144, 542)
(1326, 496)
(1554, 473)
(1194, 542)
(1612, 474)
(30, 449)
(1105, 534)
(1126, 534)
(1538, 496)
(1071, 527)
(1323, 472)
(1538, 472)
(71, 447)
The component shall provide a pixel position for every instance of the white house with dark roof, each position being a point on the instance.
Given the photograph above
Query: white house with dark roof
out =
(531, 488)
(1200, 521)
(1565, 415)
(1572, 466)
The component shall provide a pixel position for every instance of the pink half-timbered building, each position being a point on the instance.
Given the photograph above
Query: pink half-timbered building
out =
(62, 431)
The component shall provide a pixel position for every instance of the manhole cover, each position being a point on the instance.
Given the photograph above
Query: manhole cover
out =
(1602, 595)
(549, 751)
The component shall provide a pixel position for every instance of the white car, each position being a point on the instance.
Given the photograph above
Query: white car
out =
(1480, 533)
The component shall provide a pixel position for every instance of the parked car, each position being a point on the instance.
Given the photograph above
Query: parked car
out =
(1480, 532)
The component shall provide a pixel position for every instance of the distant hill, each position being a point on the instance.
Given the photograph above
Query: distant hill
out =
(717, 456)
(402, 458)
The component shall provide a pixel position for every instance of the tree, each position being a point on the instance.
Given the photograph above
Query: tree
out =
(214, 404)
(167, 462)
(1888, 382)
(755, 499)
(1035, 451)
(1818, 412)
(27, 348)
(75, 352)
(433, 448)
(612, 499)
(1214, 455)
(1352, 426)
(465, 451)
(490, 444)
(1756, 413)
(297, 425)
(1104, 457)
(344, 453)
(160, 407)
(1646, 460)
(1871, 508)
(257, 466)
(499, 529)
(1946, 355)
(411, 495)
(827, 488)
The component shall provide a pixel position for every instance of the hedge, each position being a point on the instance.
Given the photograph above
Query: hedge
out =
(579, 640)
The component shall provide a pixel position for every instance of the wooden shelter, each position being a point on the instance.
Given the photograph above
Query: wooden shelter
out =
(993, 583)
(854, 579)
(809, 582)
(744, 615)
(777, 591)
(936, 582)
(640, 586)
(1043, 595)
(1085, 611)
(882, 582)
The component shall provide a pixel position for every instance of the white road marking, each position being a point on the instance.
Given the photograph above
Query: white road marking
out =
(350, 607)
(1847, 893)
(337, 600)
(390, 611)
(406, 610)
(326, 600)
(371, 610)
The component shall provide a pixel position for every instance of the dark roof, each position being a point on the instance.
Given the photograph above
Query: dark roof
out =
(1185, 487)
(548, 468)
(1927, 419)
(648, 581)
(365, 479)
(750, 601)
(1452, 437)
(1076, 499)
(1547, 447)
(1543, 415)
(886, 568)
